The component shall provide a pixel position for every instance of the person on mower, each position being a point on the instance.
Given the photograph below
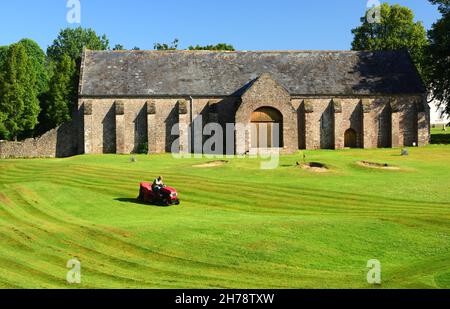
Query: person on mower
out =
(157, 185)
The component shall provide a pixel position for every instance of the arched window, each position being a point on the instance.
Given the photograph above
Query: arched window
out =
(266, 128)
(350, 139)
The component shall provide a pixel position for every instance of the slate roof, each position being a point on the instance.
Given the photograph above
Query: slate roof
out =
(207, 73)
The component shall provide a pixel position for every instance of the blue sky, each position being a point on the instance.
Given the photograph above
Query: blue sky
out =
(247, 24)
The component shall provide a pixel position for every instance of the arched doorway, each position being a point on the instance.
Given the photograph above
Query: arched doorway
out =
(266, 125)
(350, 139)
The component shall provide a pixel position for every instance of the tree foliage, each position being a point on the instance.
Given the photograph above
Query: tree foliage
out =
(165, 46)
(443, 5)
(63, 92)
(396, 30)
(118, 47)
(3, 51)
(38, 64)
(220, 46)
(175, 43)
(19, 106)
(71, 42)
(64, 57)
(439, 55)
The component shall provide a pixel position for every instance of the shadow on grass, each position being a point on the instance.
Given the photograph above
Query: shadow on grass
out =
(442, 139)
(136, 202)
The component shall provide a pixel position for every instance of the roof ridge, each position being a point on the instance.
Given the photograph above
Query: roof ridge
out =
(239, 51)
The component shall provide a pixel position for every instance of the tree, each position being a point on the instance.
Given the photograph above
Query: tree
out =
(164, 46)
(439, 55)
(3, 51)
(38, 62)
(118, 47)
(135, 48)
(220, 46)
(72, 41)
(19, 106)
(62, 94)
(65, 52)
(444, 5)
(38, 65)
(396, 30)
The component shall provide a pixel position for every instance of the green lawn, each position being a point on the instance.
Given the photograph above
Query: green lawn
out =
(238, 226)
(439, 136)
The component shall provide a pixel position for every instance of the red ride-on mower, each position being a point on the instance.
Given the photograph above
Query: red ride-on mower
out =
(168, 196)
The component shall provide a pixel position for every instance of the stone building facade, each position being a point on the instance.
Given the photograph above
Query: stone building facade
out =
(317, 99)
(321, 100)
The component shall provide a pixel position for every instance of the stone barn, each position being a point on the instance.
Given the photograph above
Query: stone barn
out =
(318, 99)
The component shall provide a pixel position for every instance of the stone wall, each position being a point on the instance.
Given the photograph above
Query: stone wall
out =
(350, 118)
(211, 110)
(317, 123)
(123, 125)
(102, 124)
(266, 92)
(57, 143)
(379, 122)
(148, 121)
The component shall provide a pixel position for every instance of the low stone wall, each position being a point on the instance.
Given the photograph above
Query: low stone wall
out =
(57, 143)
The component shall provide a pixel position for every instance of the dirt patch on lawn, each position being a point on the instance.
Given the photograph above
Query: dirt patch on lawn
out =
(383, 166)
(4, 199)
(212, 164)
(314, 167)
